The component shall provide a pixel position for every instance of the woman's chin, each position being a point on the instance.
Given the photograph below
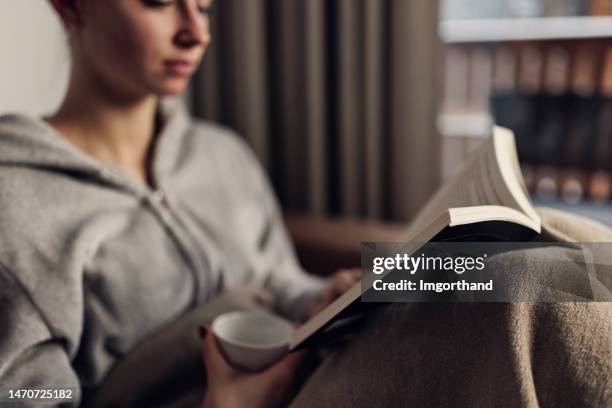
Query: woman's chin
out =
(172, 87)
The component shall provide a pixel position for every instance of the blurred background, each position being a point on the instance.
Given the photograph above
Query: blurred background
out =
(361, 108)
(544, 69)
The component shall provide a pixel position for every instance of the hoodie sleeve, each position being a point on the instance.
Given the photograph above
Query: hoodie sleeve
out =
(294, 289)
(30, 357)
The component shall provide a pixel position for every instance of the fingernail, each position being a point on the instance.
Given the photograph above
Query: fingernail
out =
(203, 331)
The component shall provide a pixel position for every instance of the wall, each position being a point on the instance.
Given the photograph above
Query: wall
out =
(35, 59)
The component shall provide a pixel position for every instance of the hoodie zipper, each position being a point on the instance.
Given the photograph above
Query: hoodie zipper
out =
(172, 221)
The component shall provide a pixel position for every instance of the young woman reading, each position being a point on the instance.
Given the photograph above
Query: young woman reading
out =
(120, 213)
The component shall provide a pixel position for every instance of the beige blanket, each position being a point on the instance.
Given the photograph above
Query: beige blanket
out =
(409, 355)
(477, 355)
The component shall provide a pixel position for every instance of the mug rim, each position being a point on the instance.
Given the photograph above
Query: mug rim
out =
(242, 314)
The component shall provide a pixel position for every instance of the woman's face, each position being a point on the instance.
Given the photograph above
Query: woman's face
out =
(141, 47)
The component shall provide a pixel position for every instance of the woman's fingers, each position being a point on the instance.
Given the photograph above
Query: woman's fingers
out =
(215, 363)
(355, 274)
(285, 368)
(343, 283)
(346, 279)
(352, 273)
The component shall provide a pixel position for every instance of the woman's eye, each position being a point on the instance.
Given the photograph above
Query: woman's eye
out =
(157, 3)
(206, 10)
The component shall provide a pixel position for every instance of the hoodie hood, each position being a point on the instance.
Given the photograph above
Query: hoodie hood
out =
(26, 141)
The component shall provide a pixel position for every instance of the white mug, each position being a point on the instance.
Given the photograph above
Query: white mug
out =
(252, 340)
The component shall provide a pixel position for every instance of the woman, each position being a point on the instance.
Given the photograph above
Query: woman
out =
(121, 213)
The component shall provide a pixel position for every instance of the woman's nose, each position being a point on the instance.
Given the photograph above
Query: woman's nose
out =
(193, 29)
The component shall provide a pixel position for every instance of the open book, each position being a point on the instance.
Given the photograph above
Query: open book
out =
(486, 200)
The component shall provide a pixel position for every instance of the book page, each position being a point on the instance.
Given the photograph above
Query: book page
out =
(514, 192)
(489, 176)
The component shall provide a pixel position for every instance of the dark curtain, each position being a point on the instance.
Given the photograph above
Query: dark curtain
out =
(338, 98)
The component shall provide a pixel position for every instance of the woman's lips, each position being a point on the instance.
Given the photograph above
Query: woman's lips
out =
(179, 67)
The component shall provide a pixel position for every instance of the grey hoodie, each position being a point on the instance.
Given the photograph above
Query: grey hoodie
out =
(92, 260)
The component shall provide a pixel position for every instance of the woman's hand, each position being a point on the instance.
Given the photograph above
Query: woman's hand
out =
(231, 388)
(342, 280)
